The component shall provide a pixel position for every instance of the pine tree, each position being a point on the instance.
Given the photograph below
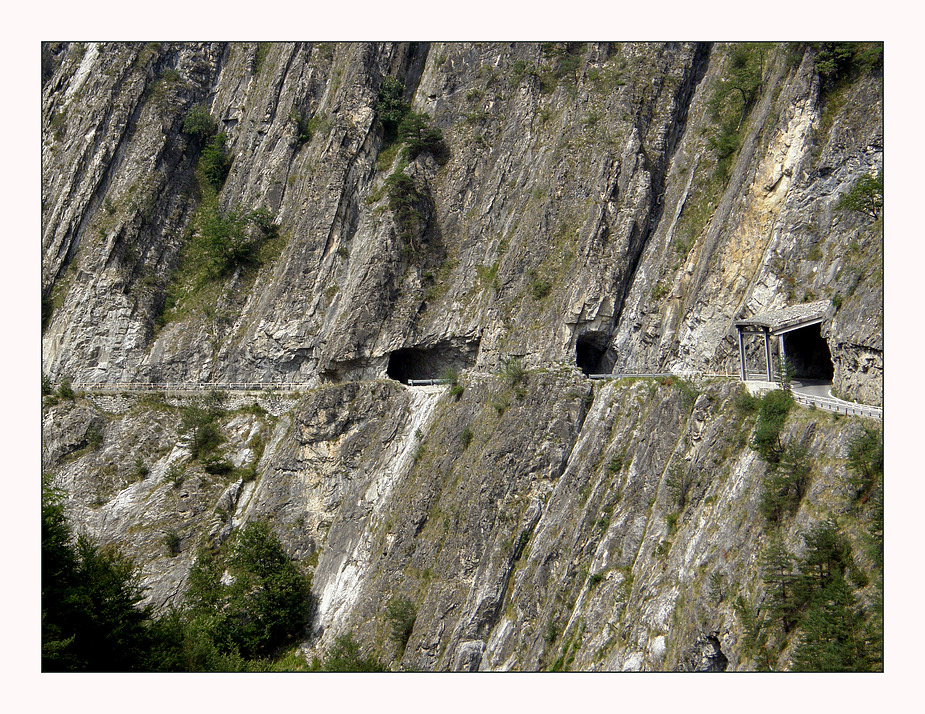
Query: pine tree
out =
(834, 634)
(777, 573)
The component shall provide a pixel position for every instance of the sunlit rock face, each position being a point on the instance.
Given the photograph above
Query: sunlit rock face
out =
(578, 219)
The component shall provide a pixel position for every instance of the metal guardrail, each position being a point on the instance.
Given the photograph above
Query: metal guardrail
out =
(828, 403)
(189, 386)
(649, 375)
(838, 406)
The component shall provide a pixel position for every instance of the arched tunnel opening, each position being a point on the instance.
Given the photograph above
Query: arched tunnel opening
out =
(431, 362)
(808, 353)
(591, 353)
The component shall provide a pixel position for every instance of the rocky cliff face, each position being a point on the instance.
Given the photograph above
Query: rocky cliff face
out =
(581, 215)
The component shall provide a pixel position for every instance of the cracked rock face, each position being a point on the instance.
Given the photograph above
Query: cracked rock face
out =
(574, 223)
(557, 213)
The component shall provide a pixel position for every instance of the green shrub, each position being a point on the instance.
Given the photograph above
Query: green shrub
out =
(390, 107)
(775, 406)
(512, 369)
(671, 522)
(401, 615)
(344, 656)
(218, 467)
(540, 286)
(201, 423)
(215, 162)
(837, 61)
(465, 437)
(306, 127)
(65, 391)
(679, 482)
(403, 200)
(175, 474)
(94, 436)
(199, 123)
(746, 403)
(865, 460)
(419, 136)
(92, 619)
(732, 99)
(172, 543)
(264, 608)
(785, 483)
(141, 471)
(865, 196)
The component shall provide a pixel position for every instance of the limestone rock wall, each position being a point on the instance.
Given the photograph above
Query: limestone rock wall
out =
(532, 519)
(571, 176)
(553, 535)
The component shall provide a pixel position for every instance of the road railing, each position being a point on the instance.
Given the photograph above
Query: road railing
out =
(831, 404)
(189, 386)
(838, 406)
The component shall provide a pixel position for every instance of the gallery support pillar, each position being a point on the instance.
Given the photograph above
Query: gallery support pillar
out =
(741, 354)
(767, 353)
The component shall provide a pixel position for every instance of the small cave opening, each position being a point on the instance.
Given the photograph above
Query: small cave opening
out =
(591, 354)
(431, 362)
(808, 353)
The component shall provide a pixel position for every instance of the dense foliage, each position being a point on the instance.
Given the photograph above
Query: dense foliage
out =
(838, 61)
(775, 406)
(91, 619)
(246, 602)
(821, 601)
(344, 656)
(261, 607)
(391, 107)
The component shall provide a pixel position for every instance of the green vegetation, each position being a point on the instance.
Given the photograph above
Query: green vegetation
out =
(401, 614)
(345, 656)
(561, 63)
(785, 483)
(403, 200)
(221, 241)
(731, 101)
(201, 424)
(214, 162)
(451, 377)
(262, 609)
(199, 123)
(680, 481)
(775, 406)
(91, 618)
(812, 595)
(838, 62)
(865, 196)
(391, 107)
(513, 371)
(865, 460)
(65, 391)
(465, 437)
(418, 136)
(263, 49)
(540, 286)
(307, 126)
(403, 127)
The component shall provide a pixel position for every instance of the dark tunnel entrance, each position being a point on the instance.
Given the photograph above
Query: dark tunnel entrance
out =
(431, 362)
(591, 353)
(808, 353)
